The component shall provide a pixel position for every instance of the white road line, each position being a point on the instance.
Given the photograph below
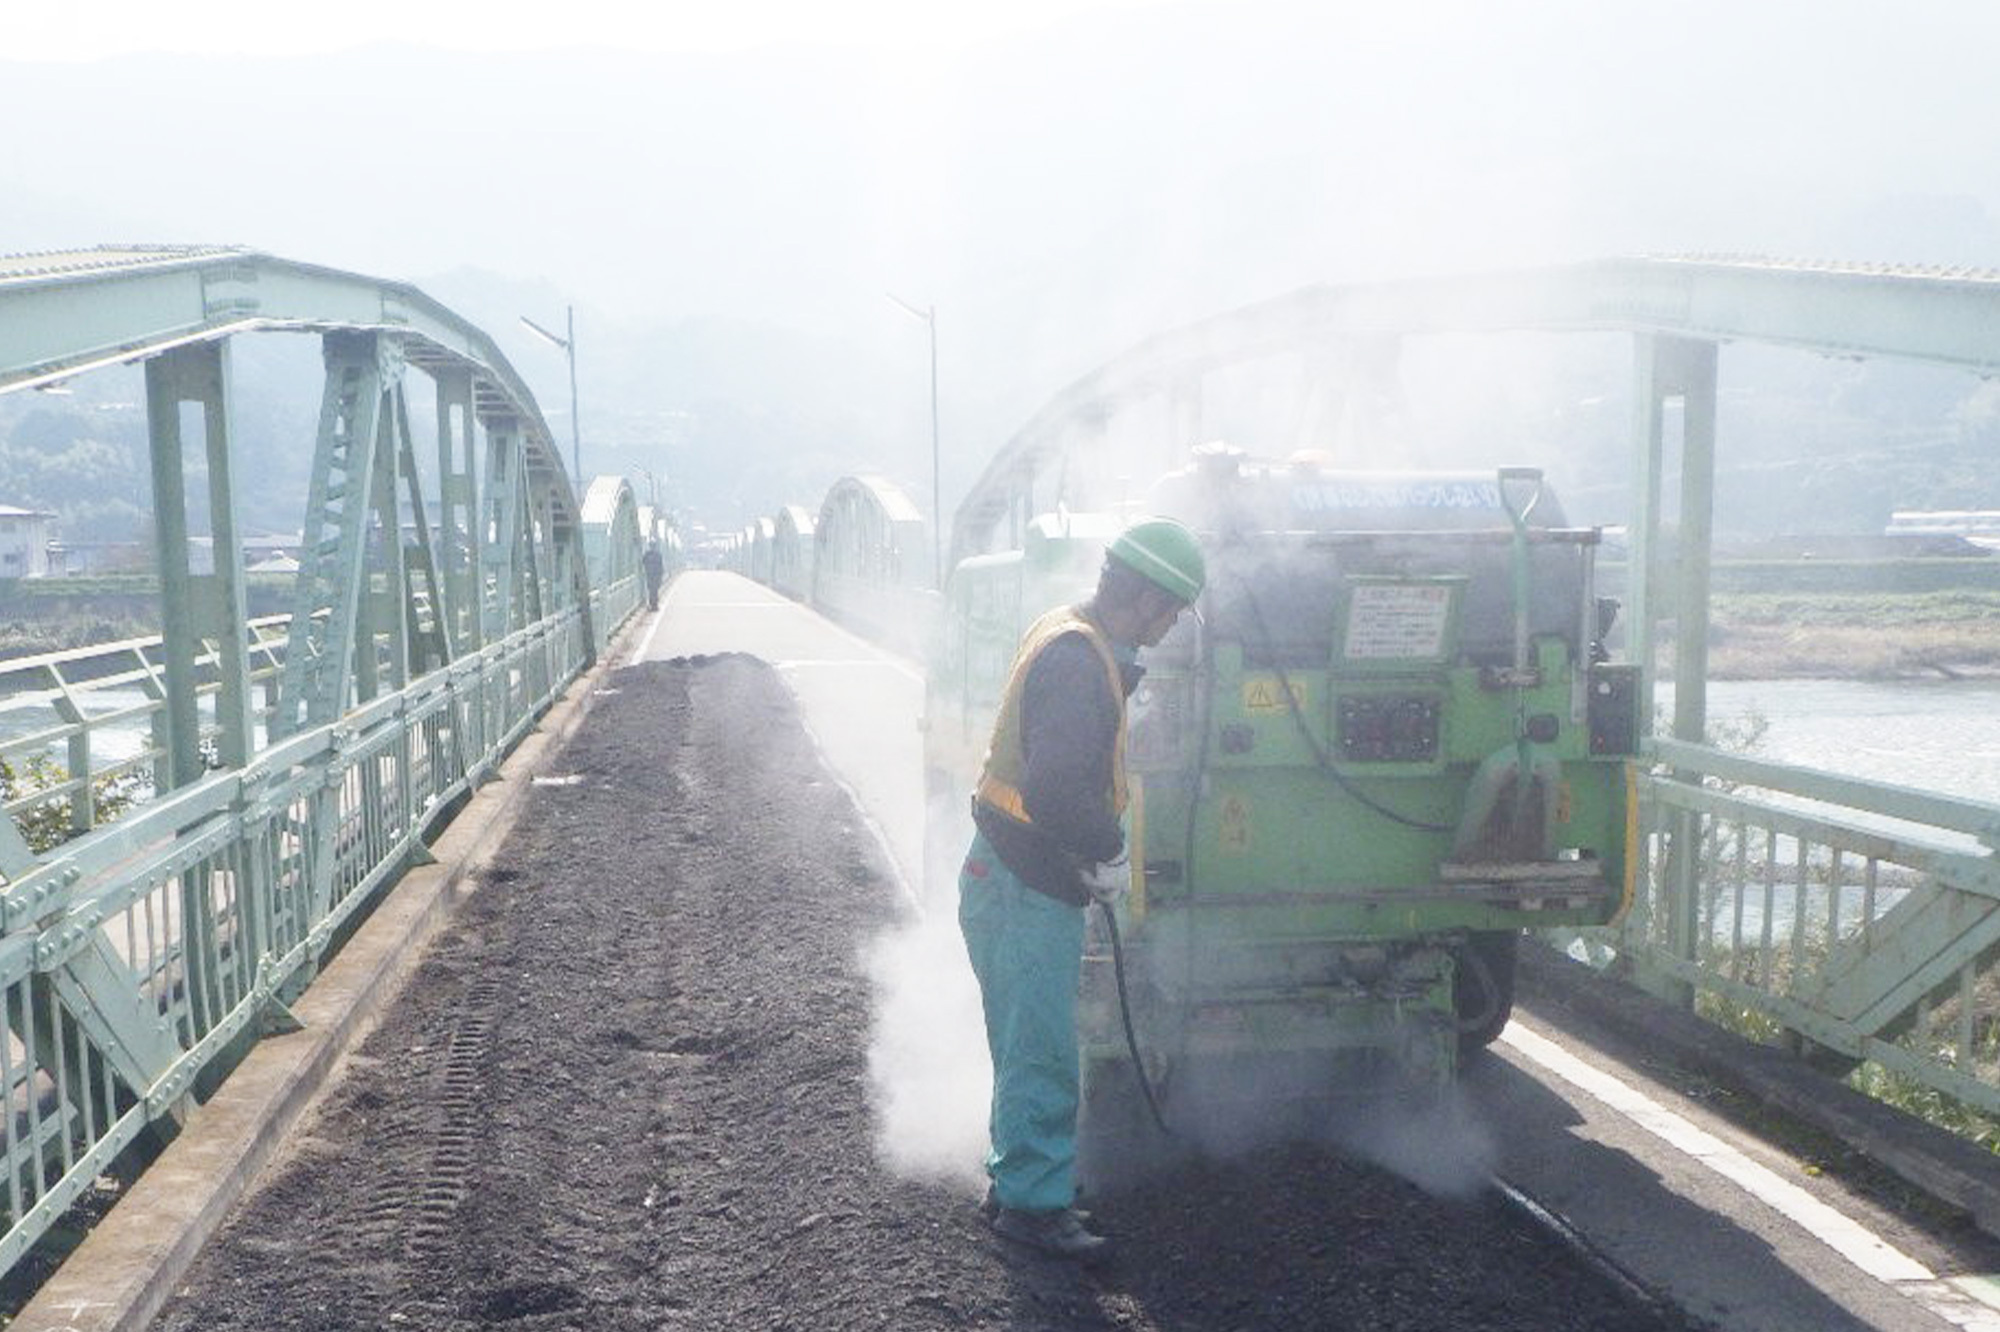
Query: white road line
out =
(646, 639)
(1844, 1235)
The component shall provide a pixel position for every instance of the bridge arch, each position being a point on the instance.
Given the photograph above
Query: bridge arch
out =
(792, 552)
(871, 562)
(613, 537)
(762, 533)
(507, 549)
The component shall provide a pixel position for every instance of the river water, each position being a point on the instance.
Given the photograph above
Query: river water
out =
(1939, 735)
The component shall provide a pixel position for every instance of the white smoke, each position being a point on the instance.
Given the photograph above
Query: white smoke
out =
(1445, 1148)
(928, 1071)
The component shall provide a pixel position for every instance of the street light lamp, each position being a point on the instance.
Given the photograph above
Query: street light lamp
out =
(929, 315)
(568, 345)
(652, 502)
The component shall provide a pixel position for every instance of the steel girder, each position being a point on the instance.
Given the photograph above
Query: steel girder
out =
(197, 607)
(422, 604)
(867, 528)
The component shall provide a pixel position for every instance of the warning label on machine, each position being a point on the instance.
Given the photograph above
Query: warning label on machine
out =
(1397, 621)
(1233, 832)
(1266, 694)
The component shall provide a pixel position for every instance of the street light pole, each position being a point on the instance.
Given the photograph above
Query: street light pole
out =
(568, 345)
(929, 315)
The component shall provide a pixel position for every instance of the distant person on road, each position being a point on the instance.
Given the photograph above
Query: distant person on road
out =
(1048, 840)
(656, 569)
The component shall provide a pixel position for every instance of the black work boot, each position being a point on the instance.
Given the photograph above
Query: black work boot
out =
(1057, 1232)
(989, 1207)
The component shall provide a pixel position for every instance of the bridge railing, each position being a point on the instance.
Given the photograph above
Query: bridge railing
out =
(611, 606)
(140, 956)
(81, 723)
(1853, 920)
(73, 721)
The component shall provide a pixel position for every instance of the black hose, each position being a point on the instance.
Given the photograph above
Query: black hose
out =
(1468, 957)
(1125, 1015)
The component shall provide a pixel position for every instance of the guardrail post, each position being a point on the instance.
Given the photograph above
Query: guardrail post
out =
(83, 800)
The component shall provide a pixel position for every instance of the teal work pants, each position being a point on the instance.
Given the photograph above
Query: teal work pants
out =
(1027, 951)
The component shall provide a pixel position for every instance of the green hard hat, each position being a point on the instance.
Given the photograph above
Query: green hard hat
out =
(1164, 553)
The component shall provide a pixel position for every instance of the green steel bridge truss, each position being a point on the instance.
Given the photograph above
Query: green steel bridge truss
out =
(1853, 920)
(296, 762)
(292, 766)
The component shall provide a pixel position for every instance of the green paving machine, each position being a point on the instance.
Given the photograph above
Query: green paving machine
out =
(1389, 742)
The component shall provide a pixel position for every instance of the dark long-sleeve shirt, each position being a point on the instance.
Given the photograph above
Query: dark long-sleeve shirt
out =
(1069, 729)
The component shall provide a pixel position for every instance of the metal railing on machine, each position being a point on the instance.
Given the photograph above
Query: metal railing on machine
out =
(1856, 921)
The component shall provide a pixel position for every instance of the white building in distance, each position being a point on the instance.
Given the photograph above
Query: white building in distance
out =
(1979, 526)
(24, 542)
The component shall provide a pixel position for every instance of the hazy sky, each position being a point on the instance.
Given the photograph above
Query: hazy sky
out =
(1060, 178)
(258, 27)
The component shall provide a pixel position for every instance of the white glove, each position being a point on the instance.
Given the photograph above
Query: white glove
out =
(1109, 881)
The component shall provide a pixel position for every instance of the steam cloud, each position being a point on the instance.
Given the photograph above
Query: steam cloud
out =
(927, 1063)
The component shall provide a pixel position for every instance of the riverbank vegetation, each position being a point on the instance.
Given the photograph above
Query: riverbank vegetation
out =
(46, 823)
(1857, 635)
(28, 638)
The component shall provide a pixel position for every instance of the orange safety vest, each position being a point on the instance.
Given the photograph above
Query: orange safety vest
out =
(1006, 760)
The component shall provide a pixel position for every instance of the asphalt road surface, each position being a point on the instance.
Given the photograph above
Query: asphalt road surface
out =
(628, 1089)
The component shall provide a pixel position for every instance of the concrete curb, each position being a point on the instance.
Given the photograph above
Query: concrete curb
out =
(1930, 1159)
(128, 1266)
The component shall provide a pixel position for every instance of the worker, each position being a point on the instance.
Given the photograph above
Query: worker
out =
(656, 569)
(1047, 840)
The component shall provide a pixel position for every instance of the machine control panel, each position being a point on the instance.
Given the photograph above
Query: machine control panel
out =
(1388, 728)
(1613, 710)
